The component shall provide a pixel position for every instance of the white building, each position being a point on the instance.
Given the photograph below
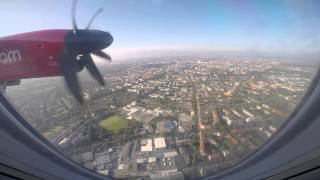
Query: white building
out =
(146, 145)
(159, 143)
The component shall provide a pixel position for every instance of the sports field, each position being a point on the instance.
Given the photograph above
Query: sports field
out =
(114, 123)
(50, 134)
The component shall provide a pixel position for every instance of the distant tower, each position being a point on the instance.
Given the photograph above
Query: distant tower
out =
(215, 117)
(202, 143)
(202, 171)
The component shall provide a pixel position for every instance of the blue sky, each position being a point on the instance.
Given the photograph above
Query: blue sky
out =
(147, 26)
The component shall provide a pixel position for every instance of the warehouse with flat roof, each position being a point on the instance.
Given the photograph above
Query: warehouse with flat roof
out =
(159, 143)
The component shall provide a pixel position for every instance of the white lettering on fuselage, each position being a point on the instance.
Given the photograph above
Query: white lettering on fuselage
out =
(10, 57)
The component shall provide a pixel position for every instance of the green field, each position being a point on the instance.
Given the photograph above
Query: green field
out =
(52, 132)
(114, 123)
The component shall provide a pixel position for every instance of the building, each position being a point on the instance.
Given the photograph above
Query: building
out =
(102, 158)
(166, 126)
(185, 123)
(170, 154)
(146, 145)
(126, 151)
(152, 159)
(159, 143)
(215, 117)
(87, 156)
(167, 176)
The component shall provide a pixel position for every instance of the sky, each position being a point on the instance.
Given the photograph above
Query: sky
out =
(177, 27)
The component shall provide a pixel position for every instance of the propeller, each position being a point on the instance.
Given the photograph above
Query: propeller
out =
(73, 15)
(94, 16)
(79, 45)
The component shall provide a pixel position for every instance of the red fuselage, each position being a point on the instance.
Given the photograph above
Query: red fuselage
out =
(31, 55)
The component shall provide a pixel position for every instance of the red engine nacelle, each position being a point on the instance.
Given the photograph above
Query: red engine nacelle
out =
(31, 55)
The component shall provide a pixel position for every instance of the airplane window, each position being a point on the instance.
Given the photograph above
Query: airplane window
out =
(193, 87)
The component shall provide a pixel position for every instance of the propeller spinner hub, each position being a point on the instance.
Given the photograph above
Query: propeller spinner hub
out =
(86, 41)
(106, 39)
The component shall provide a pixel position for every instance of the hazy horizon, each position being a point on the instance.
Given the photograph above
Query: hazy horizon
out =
(134, 53)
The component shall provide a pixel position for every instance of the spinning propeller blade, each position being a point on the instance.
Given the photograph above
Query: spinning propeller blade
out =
(69, 71)
(73, 15)
(83, 42)
(93, 70)
(93, 17)
(102, 55)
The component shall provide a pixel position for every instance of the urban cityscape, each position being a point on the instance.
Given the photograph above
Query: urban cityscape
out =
(166, 118)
